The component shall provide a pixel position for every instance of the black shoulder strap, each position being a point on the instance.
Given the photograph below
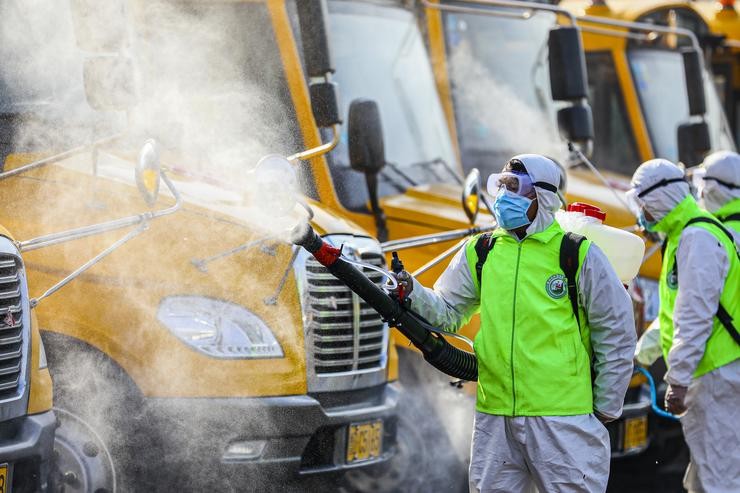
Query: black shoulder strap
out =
(722, 314)
(726, 320)
(483, 247)
(569, 247)
(731, 217)
(711, 220)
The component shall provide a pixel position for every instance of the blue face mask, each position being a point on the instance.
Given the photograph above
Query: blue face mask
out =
(510, 210)
(646, 225)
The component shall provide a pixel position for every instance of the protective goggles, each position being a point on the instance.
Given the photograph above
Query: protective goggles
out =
(516, 182)
(635, 199)
(699, 178)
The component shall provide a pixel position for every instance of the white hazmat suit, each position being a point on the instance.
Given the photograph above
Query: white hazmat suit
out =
(723, 166)
(553, 453)
(710, 424)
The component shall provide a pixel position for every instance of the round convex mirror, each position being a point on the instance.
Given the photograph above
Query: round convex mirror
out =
(275, 185)
(471, 195)
(148, 172)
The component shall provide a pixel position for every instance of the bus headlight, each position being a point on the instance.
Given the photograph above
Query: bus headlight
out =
(218, 328)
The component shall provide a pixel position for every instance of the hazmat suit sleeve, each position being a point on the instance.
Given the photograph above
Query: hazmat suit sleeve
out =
(702, 269)
(454, 299)
(613, 337)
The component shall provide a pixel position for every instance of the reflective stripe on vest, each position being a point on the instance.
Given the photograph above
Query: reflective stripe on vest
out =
(721, 349)
(532, 359)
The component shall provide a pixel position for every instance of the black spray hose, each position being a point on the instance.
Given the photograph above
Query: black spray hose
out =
(436, 349)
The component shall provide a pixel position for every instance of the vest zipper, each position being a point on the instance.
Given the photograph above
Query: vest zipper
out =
(513, 325)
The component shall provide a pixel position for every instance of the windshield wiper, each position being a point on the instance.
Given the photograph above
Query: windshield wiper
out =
(438, 160)
(403, 175)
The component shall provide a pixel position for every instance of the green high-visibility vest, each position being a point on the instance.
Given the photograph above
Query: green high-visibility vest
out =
(721, 349)
(532, 358)
(731, 208)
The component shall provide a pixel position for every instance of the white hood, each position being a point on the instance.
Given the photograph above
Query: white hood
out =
(662, 200)
(725, 166)
(542, 169)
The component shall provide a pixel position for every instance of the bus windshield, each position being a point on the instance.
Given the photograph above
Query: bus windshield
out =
(213, 82)
(42, 98)
(210, 82)
(380, 55)
(501, 88)
(659, 77)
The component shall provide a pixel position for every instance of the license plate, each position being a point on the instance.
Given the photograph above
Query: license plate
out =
(4, 479)
(364, 441)
(635, 433)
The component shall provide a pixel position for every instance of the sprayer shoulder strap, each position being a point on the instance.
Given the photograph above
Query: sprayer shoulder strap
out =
(731, 217)
(483, 247)
(722, 314)
(569, 248)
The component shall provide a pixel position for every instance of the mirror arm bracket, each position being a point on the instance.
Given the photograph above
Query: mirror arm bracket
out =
(434, 238)
(85, 231)
(521, 5)
(58, 157)
(320, 150)
(439, 258)
(143, 226)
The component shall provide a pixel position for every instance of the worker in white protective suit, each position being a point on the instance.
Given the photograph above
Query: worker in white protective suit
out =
(699, 298)
(717, 183)
(539, 415)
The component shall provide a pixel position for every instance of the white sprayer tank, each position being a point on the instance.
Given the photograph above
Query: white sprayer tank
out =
(623, 249)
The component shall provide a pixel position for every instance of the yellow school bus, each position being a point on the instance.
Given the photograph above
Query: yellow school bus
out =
(637, 97)
(216, 356)
(420, 187)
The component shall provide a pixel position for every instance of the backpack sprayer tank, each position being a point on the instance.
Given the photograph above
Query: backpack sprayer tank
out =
(623, 249)
(435, 348)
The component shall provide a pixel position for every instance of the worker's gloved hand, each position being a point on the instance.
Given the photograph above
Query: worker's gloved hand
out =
(405, 284)
(675, 399)
(603, 417)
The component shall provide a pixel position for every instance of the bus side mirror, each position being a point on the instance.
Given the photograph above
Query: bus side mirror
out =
(576, 124)
(312, 16)
(109, 82)
(567, 64)
(367, 153)
(693, 142)
(99, 26)
(471, 195)
(325, 104)
(692, 65)
(148, 172)
(365, 134)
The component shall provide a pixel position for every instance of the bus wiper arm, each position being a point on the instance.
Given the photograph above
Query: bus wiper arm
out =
(400, 173)
(445, 165)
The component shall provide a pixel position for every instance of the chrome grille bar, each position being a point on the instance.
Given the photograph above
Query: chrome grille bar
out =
(11, 327)
(346, 337)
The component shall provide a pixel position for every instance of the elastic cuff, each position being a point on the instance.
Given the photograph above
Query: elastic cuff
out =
(604, 417)
(669, 378)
